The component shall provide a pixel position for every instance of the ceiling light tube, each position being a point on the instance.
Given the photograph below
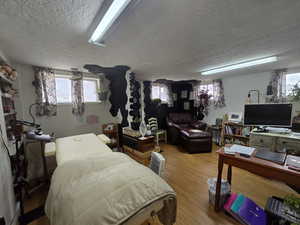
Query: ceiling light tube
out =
(113, 12)
(240, 65)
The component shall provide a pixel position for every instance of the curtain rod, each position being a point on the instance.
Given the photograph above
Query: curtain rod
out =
(70, 71)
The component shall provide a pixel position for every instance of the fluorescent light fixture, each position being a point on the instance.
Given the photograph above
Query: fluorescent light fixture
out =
(113, 12)
(241, 65)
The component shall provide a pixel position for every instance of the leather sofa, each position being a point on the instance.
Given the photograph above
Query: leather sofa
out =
(191, 134)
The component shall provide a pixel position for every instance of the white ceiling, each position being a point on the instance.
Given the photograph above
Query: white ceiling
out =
(172, 39)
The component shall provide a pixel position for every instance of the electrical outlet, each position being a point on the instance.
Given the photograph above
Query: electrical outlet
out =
(2, 221)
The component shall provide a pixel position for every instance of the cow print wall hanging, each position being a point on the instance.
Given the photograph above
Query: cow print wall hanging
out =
(118, 84)
(134, 100)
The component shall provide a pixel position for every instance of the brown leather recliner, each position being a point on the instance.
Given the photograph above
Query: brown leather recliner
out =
(179, 121)
(183, 129)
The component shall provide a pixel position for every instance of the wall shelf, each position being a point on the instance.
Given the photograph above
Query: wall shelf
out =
(9, 114)
(6, 95)
(235, 133)
(5, 79)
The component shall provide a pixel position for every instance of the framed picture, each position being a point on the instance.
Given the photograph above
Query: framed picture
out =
(254, 96)
(192, 95)
(184, 94)
(174, 96)
(186, 105)
(235, 117)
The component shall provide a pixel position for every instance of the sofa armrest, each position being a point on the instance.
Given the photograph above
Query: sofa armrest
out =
(199, 125)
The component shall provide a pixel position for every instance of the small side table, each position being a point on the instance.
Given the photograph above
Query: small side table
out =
(139, 148)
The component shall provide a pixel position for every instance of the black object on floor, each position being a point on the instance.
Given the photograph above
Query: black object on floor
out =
(32, 215)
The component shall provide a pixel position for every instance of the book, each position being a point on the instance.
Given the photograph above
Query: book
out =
(230, 201)
(293, 161)
(251, 213)
(242, 149)
(233, 210)
(237, 203)
(271, 156)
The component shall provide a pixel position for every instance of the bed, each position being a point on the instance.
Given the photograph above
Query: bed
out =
(94, 186)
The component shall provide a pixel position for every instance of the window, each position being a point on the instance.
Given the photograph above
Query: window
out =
(64, 89)
(160, 91)
(209, 88)
(90, 87)
(291, 80)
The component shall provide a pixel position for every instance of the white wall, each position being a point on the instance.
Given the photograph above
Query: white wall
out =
(236, 91)
(65, 123)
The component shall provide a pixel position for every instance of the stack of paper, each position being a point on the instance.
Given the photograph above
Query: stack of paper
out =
(239, 149)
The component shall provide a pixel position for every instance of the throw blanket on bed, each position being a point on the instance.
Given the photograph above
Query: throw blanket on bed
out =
(106, 190)
(79, 147)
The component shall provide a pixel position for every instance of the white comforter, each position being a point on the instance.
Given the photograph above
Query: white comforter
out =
(104, 189)
(79, 147)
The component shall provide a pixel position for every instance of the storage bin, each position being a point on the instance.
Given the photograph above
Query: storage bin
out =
(225, 191)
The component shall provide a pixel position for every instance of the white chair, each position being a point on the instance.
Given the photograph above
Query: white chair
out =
(157, 163)
(158, 133)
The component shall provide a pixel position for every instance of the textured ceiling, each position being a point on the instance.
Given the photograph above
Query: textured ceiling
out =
(172, 39)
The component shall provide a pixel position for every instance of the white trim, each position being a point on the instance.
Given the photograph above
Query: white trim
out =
(89, 78)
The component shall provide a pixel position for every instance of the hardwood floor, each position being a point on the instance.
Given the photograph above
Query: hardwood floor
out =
(188, 174)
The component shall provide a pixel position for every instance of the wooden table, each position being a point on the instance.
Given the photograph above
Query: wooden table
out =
(256, 166)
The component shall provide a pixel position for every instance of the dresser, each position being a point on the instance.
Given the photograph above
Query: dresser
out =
(276, 142)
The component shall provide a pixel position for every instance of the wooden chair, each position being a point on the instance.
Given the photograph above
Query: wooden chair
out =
(157, 132)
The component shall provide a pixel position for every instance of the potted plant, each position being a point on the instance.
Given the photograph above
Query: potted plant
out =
(102, 95)
(292, 207)
(295, 95)
(156, 102)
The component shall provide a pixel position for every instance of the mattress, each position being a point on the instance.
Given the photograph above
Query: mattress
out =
(79, 147)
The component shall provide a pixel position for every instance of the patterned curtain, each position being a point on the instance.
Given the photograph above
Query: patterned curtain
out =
(196, 93)
(77, 93)
(218, 94)
(170, 95)
(45, 90)
(276, 90)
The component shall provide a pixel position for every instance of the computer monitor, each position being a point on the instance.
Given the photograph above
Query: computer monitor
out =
(276, 115)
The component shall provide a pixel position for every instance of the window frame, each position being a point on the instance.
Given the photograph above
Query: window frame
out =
(66, 77)
(160, 86)
(97, 80)
(206, 84)
(289, 98)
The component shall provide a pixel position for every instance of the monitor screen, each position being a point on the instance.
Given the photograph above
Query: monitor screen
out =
(278, 115)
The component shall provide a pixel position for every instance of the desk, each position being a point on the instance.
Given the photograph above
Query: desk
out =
(256, 166)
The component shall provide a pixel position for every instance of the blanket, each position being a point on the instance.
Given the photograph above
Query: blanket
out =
(106, 189)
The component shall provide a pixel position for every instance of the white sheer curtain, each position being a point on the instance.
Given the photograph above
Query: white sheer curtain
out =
(162, 92)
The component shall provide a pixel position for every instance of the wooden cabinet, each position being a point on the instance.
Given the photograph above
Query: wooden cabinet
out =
(234, 133)
(276, 142)
(139, 148)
